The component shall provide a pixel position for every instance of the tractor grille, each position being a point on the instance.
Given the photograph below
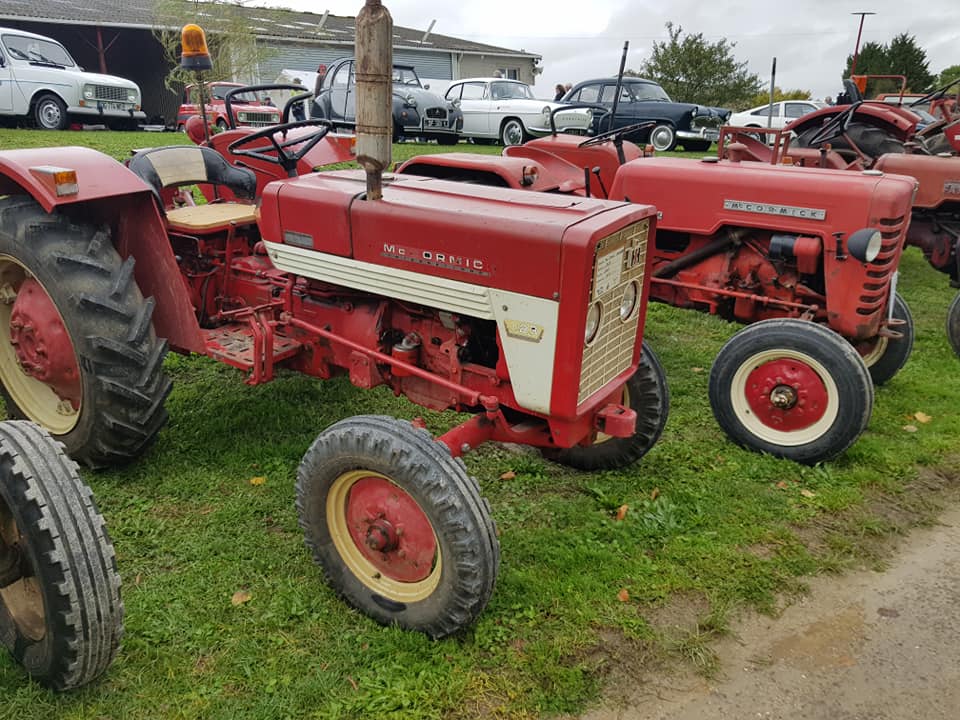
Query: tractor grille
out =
(619, 259)
(110, 93)
(876, 287)
(437, 113)
(257, 119)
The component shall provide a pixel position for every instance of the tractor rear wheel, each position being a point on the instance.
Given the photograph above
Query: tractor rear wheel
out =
(885, 357)
(78, 352)
(871, 140)
(953, 324)
(647, 393)
(397, 525)
(791, 388)
(60, 610)
(696, 145)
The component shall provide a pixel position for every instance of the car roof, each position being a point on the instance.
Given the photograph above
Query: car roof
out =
(614, 79)
(489, 79)
(24, 33)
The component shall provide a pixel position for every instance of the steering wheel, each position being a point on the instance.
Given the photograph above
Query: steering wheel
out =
(278, 152)
(617, 134)
(936, 94)
(835, 127)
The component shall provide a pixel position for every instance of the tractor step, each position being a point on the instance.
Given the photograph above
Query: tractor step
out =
(236, 346)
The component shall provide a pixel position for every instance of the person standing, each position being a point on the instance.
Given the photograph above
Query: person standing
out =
(297, 110)
(559, 92)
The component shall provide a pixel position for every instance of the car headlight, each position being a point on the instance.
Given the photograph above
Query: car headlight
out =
(865, 244)
(628, 304)
(88, 92)
(410, 101)
(589, 114)
(546, 110)
(131, 95)
(593, 323)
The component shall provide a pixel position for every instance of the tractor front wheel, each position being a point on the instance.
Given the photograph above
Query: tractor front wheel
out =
(647, 393)
(791, 388)
(397, 525)
(885, 357)
(61, 615)
(78, 352)
(953, 324)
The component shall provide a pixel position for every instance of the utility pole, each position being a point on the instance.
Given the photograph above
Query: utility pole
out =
(856, 49)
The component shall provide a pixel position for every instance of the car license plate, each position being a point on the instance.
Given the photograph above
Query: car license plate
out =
(112, 106)
(434, 123)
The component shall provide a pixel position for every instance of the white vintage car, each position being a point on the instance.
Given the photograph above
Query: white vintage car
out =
(506, 110)
(40, 81)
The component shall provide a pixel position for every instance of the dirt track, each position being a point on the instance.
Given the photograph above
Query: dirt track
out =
(865, 646)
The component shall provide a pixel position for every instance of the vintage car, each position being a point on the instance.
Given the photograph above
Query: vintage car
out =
(40, 81)
(248, 110)
(692, 126)
(506, 110)
(417, 112)
(784, 113)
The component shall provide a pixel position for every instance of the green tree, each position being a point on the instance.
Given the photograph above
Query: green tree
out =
(948, 75)
(691, 69)
(902, 56)
(762, 98)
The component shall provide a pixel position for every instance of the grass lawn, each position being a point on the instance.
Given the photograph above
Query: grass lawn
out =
(710, 528)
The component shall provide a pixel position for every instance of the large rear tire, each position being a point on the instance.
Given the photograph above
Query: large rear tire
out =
(646, 393)
(397, 525)
(61, 615)
(953, 324)
(871, 140)
(791, 388)
(78, 352)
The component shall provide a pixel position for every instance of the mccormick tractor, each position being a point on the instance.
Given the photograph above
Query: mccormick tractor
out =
(420, 285)
(795, 251)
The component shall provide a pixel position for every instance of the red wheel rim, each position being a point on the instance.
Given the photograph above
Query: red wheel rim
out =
(786, 394)
(390, 530)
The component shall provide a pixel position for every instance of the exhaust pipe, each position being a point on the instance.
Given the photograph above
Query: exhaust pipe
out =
(374, 83)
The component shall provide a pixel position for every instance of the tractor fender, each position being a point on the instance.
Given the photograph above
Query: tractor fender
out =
(109, 194)
(897, 121)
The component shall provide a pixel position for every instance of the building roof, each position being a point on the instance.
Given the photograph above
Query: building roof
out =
(265, 22)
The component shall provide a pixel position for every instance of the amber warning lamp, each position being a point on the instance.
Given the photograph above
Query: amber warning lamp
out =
(194, 54)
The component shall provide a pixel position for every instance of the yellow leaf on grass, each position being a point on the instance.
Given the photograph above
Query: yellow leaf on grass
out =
(922, 417)
(697, 369)
(910, 428)
(508, 475)
(622, 512)
(259, 480)
(240, 597)
(623, 595)
(654, 494)
(807, 493)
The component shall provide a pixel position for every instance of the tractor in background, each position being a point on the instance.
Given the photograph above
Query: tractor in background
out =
(808, 257)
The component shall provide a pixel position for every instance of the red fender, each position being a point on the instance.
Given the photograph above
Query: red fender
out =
(899, 121)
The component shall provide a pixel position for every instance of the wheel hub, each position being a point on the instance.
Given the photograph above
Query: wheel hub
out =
(42, 344)
(390, 530)
(786, 394)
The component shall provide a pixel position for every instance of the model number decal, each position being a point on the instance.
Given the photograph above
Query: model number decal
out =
(951, 187)
(770, 209)
(433, 258)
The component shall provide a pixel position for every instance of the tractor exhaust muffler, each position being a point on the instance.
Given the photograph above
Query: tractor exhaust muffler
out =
(374, 83)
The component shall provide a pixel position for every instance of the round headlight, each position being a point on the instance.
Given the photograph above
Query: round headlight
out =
(131, 95)
(88, 93)
(865, 244)
(411, 101)
(546, 110)
(593, 323)
(629, 302)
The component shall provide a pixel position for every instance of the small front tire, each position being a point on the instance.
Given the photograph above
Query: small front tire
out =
(512, 132)
(50, 113)
(397, 525)
(885, 357)
(791, 388)
(953, 324)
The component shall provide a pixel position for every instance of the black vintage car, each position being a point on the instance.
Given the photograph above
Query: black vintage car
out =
(417, 112)
(692, 126)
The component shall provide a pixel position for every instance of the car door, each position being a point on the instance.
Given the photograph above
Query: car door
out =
(6, 84)
(794, 110)
(476, 107)
(342, 105)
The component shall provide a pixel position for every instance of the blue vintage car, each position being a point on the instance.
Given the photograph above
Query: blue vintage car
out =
(692, 126)
(417, 112)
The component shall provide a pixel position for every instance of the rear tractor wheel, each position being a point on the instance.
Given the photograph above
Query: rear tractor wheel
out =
(61, 615)
(885, 357)
(647, 393)
(953, 324)
(791, 388)
(397, 525)
(78, 353)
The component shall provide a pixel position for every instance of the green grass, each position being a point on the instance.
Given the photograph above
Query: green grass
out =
(710, 528)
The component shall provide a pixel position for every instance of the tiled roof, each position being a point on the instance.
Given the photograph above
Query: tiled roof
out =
(266, 22)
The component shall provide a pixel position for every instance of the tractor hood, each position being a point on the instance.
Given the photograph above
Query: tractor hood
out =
(938, 177)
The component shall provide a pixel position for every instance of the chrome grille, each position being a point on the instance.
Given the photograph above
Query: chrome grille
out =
(618, 260)
(110, 93)
(876, 289)
(257, 118)
(437, 113)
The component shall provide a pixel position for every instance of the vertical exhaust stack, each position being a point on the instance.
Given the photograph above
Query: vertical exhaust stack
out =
(374, 83)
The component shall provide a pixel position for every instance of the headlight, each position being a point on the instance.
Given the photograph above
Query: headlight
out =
(131, 95)
(589, 113)
(593, 323)
(629, 302)
(410, 101)
(865, 244)
(88, 92)
(546, 110)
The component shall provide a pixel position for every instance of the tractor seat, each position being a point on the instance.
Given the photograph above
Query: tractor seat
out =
(176, 165)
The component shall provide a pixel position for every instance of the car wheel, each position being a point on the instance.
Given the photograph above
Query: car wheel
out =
(696, 145)
(953, 324)
(512, 132)
(50, 113)
(663, 138)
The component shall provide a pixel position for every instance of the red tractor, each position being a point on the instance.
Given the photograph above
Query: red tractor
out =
(773, 246)
(421, 285)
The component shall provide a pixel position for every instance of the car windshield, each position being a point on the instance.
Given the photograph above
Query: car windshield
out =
(405, 76)
(37, 50)
(648, 92)
(510, 91)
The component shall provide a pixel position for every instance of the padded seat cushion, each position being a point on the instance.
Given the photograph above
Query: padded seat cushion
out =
(197, 218)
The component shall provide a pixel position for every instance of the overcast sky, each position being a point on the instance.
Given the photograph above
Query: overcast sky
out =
(581, 40)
